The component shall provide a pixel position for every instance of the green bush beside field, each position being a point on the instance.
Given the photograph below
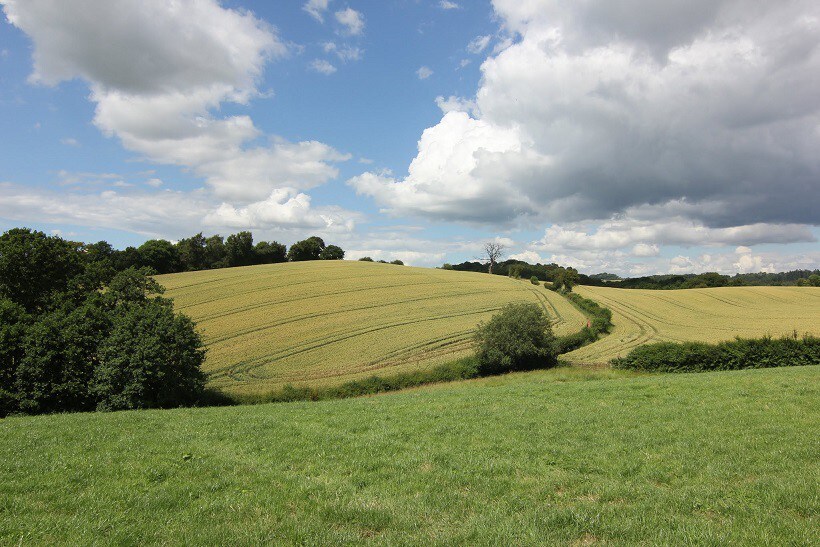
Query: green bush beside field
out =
(737, 354)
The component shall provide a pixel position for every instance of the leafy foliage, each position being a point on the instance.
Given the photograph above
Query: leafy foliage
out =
(741, 353)
(270, 252)
(332, 252)
(91, 339)
(239, 249)
(34, 267)
(307, 249)
(159, 255)
(600, 323)
(150, 359)
(519, 337)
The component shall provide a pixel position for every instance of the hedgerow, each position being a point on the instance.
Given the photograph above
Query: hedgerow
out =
(600, 323)
(740, 353)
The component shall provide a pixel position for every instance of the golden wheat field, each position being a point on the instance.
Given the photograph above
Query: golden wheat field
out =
(704, 315)
(311, 323)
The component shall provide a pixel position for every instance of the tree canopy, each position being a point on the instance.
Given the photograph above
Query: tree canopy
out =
(78, 338)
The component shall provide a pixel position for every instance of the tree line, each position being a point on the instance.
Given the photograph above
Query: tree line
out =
(800, 278)
(207, 253)
(560, 276)
(553, 272)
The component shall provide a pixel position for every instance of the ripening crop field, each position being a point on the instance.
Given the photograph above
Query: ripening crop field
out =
(319, 323)
(703, 315)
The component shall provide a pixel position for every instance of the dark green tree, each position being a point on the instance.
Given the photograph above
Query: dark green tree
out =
(100, 265)
(132, 286)
(570, 278)
(191, 252)
(151, 359)
(34, 266)
(127, 258)
(270, 252)
(13, 323)
(60, 355)
(332, 252)
(215, 254)
(519, 337)
(159, 255)
(100, 252)
(307, 249)
(239, 249)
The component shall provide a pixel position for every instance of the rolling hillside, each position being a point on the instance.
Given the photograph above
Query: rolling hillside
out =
(323, 322)
(704, 315)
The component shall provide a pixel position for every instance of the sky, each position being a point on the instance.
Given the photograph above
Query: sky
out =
(629, 136)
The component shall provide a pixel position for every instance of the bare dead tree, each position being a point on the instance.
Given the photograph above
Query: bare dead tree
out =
(492, 253)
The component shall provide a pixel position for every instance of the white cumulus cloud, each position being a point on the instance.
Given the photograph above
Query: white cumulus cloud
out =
(424, 72)
(351, 20)
(316, 9)
(479, 44)
(321, 66)
(590, 110)
(160, 80)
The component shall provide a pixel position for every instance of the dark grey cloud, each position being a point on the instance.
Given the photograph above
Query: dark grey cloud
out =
(599, 107)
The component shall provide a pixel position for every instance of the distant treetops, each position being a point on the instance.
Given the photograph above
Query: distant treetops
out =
(567, 277)
(207, 253)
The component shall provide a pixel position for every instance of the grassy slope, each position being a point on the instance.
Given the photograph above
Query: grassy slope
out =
(316, 323)
(705, 315)
(522, 459)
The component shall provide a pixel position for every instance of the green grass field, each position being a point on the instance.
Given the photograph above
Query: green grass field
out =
(698, 315)
(565, 456)
(319, 323)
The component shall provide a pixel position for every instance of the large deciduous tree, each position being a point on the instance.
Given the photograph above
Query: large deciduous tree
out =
(307, 249)
(159, 255)
(239, 249)
(34, 266)
(332, 252)
(270, 252)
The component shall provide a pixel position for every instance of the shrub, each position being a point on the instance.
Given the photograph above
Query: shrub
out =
(740, 353)
(534, 280)
(151, 359)
(397, 262)
(365, 259)
(518, 338)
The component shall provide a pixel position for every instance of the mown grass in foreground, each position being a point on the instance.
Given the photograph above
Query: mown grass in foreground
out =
(535, 458)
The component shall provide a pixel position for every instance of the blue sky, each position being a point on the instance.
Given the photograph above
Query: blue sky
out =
(605, 137)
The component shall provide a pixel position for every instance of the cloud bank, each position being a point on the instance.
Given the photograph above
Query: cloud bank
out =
(159, 82)
(595, 111)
